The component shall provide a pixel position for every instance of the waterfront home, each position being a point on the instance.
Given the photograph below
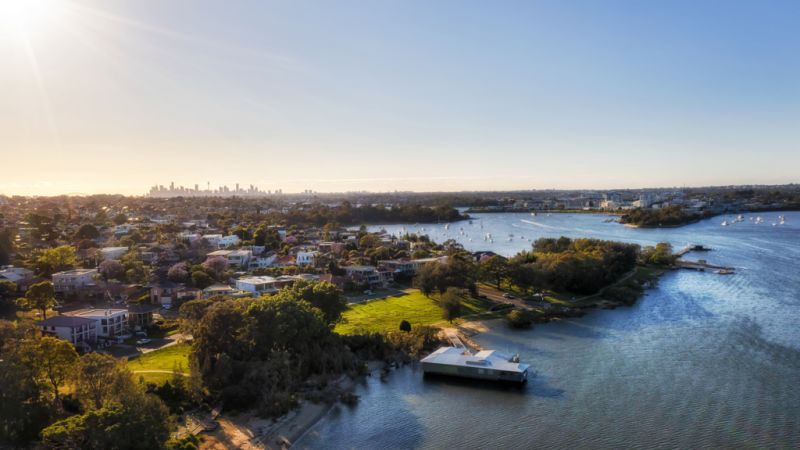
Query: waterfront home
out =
(369, 275)
(486, 365)
(408, 267)
(75, 330)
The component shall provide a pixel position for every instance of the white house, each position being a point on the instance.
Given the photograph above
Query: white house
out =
(75, 330)
(306, 258)
(236, 258)
(113, 252)
(409, 266)
(229, 241)
(74, 280)
(257, 285)
(263, 261)
(109, 322)
(213, 239)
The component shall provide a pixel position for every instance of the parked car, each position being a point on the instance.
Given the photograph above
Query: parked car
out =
(507, 295)
(143, 341)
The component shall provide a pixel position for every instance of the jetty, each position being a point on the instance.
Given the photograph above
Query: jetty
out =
(703, 266)
(692, 248)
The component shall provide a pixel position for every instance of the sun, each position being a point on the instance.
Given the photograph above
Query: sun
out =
(28, 17)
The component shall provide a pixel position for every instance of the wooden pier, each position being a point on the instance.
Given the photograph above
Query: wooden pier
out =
(700, 265)
(703, 266)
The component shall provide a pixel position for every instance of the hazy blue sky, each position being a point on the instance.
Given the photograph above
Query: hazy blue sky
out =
(114, 96)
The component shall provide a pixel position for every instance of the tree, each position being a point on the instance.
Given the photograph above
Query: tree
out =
(267, 237)
(520, 318)
(6, 246)
(24, 410)
(100, 379)
(178, 273)
(426, 277)
(323, 295)
(660, 255)
(41, 296)
(8, 292)
(111, 269)
(120, 218)
(87, 231)
(405, 326)
(455, 272)
(493, 269)
(192, 312)
(217, 265)
(451, 303)
(201, 280)
(53, 260)
(55, 359)
(142, 423)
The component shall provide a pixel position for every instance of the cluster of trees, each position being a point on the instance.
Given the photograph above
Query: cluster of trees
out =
(258, 352)
(581, 265)
(663, 217)
(660, 255)
(104, 409)
(346, 214)
(458, 271)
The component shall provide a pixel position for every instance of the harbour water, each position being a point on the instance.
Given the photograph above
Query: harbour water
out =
(702, 361)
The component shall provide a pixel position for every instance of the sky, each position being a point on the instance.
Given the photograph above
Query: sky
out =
(112, 96)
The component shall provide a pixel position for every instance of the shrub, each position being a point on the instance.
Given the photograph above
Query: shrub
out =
(520, 318)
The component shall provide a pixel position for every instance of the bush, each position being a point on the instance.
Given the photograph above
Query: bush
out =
(520, 318)
(405, 326)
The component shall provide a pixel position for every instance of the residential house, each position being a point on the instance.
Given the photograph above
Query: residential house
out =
(18, 275)
(75, 280)
(140, 315)
(79, 331)
(109, 322)
(113, 252)
(368, 275)
(305, 258)
(408, 267)
(236, 258)
(258, 285)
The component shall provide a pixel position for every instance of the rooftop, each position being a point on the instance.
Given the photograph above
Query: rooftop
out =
(487, 359)
(65, 321)
(96, 312)
(258, 280)
(76, 272)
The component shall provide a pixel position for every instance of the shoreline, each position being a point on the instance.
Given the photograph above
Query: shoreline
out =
(249, 432)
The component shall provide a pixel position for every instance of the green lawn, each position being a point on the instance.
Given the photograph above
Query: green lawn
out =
(413, 306)
(166, 359)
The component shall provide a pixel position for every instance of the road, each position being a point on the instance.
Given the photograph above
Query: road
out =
(496, 295)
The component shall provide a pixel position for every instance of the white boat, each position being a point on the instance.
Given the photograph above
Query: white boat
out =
(724, 223)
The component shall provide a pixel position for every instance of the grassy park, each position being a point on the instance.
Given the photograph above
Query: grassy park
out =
(157, 366)
(413, 306)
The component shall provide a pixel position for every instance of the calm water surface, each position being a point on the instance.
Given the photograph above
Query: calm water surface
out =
(702, 361)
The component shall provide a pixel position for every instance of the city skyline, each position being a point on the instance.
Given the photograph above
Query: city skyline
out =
(112, 96)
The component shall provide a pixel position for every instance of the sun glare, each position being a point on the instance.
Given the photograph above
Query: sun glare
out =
(28, 16)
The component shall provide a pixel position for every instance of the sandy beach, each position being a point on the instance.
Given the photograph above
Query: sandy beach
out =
(250, 432)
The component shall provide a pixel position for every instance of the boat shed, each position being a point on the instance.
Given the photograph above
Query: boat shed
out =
(485, 364)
